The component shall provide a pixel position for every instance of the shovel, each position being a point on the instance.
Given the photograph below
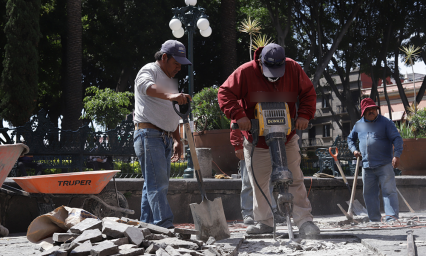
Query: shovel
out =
(209, 217)
(354, 205)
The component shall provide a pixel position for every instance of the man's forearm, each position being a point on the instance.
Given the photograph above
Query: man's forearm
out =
(154, 92)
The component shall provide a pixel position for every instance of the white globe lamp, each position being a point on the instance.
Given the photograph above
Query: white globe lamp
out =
(178, 33)
(191, 2)
(175, 24)
(206, 32)
(203, 24)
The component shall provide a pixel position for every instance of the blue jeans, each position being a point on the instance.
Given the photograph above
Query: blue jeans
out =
(154, 151)
(246, 197)
(385, 177)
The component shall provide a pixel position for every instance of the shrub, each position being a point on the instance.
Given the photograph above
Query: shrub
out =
(206, 111)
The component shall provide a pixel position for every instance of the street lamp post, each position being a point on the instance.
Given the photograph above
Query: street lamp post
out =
(188, 16)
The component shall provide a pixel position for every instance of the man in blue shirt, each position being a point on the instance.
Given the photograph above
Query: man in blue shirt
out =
(380, 146)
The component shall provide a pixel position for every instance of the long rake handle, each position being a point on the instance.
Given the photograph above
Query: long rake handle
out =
(339, 167)
(195, 160)
(354, 186)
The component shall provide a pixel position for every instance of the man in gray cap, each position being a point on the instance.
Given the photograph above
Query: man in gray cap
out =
(156, 139)
(271, 77)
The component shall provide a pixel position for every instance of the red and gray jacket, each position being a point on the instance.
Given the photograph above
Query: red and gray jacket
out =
(239, 94)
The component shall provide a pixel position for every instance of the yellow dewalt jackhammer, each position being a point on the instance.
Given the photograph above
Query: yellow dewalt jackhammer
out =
(272, 120)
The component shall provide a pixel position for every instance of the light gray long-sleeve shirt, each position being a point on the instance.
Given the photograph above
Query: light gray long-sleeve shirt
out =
(153, 110)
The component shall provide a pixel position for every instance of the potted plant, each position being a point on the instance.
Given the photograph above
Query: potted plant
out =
(413, 133)
(212, 130)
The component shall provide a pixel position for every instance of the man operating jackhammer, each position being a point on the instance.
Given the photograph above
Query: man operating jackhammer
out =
(380, 145)
(156, 138)
(271, 77)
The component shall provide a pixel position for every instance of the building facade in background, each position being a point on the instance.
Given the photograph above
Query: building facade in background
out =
(331, 117)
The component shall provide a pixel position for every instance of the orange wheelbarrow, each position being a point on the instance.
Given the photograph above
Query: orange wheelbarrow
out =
(87, 185)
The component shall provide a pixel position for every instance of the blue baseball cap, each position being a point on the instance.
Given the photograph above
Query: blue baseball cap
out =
(177, 50)
(272, 59)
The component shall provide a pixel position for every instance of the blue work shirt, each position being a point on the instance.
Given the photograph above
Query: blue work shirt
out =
(375, 141)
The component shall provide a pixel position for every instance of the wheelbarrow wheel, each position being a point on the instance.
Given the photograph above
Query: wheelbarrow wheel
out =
(110, 198)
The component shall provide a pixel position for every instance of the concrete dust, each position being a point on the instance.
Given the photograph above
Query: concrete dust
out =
(324, 247)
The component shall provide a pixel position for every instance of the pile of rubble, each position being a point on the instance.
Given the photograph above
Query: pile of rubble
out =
(114, 236)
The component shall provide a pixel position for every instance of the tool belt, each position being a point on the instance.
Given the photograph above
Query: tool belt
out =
(151, 126)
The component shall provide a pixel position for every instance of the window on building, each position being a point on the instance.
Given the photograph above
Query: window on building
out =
(325, 101)
(326, 130)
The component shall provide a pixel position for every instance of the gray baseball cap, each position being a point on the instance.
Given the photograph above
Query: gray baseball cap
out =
(177, 50)
(273, 60)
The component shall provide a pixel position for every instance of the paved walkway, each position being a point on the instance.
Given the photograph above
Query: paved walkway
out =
(338, 237)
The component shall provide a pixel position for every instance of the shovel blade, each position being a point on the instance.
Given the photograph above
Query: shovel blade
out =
(209, 219)
(358, 208)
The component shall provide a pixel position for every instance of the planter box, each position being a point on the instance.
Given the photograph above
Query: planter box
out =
(223, 152)
(413, 158)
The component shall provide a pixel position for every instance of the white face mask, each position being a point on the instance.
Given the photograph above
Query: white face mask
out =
(272, 79)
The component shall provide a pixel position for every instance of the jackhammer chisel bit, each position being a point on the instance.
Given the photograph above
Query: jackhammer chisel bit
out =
(285, 205)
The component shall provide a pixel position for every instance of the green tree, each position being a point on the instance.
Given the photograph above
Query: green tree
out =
(228, 13)
(52, 54)
(20, 63)
(107, 107)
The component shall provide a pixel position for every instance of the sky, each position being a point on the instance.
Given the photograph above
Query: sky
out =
(419, 67)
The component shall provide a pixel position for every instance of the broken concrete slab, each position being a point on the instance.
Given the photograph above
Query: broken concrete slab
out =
(230, 245)
(104, 249)
(135, 235)
(156, 236)
(82, 250)
(114, 229)
(210, 241)
(120, 241)
(172, 251)
(177, 243)
(183, 236)
(211, 252)
(89, 223)
(130, 250)
(69, 246)
(145, 231)
(156, 229)
(50, 251)
(44, 246)
(161, 252)
(152, 248)
(93, 235)
(63, 237)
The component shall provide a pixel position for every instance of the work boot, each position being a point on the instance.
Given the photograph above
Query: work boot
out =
(248, 220)
(259, 228)
(309, 229)
(278, 217)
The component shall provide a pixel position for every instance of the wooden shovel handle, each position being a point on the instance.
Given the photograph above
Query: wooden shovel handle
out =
(195, 159)
(354, 186)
